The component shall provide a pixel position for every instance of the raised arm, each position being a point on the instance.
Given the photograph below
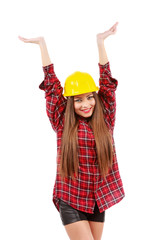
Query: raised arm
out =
(55, 101)
(107, 84)
(103, 59)
(42, 44)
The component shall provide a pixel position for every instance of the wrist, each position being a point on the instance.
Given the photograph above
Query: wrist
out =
(100, 41)
(41, 41)
(102, 36)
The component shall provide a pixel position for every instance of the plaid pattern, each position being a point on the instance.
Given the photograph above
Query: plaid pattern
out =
(89, 186)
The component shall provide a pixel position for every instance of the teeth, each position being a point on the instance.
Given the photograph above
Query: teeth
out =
(86, 110)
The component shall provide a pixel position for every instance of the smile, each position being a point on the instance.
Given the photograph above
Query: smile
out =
(86, 110)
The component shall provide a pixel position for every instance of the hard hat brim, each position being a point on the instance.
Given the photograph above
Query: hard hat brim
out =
(79, 92)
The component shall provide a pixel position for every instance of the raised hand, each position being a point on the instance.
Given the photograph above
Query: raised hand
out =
(42, 44)
(104, 35)
(103, 59)
(37, 40)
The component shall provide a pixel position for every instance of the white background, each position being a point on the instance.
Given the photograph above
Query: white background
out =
(28, 143)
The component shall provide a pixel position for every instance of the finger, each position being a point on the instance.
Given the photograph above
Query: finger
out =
(22, 39)
(114, 26)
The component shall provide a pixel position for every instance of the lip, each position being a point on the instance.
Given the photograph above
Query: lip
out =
(86, 110)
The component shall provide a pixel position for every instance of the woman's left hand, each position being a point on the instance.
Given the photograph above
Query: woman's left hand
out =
(104, 35)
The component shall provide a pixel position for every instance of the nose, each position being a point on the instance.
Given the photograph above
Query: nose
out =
(85, 104)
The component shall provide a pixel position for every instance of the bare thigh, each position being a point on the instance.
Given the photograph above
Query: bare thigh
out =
(79, 230)
(96, 229)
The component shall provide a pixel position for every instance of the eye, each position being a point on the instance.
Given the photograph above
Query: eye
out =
(90, 97)
(77, 100)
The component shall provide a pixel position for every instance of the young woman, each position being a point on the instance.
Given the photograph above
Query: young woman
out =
(87, 180)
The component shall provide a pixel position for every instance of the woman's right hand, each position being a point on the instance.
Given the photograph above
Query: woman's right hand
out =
(37, 40)
(41, 42)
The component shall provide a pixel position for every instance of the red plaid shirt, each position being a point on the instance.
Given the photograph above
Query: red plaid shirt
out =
(89, 186)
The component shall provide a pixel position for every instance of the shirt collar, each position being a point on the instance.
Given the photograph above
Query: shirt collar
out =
(83, 119)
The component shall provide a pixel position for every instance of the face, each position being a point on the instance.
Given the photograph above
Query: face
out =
(84, 104)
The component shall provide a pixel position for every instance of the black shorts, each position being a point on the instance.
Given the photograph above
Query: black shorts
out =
(69, 214)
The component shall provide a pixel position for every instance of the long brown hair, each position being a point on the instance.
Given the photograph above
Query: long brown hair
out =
(69, 146)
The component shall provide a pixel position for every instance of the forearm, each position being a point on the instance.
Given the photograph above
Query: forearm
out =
(103, 59)
(44, 53)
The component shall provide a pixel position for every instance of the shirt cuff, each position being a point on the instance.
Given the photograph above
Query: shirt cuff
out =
(105, 69)
(104, 65)
(48, 69)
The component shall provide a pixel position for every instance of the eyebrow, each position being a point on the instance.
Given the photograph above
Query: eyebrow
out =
(86, 96)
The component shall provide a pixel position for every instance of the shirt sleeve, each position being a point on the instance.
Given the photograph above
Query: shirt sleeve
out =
(108, 86)
(55, 101)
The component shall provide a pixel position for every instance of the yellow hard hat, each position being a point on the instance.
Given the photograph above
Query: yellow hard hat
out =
(79, 83)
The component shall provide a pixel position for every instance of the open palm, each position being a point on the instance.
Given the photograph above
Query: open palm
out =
(31, 40)
(104, 35)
